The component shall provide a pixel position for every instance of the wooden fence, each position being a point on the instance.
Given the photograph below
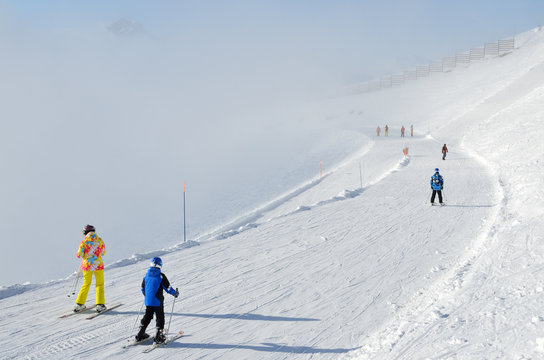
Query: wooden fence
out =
(449, 63)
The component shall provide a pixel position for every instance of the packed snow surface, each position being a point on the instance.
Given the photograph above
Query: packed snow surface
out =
(355, 264)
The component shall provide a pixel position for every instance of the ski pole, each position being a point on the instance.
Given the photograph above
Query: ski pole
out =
(76, 280)
(139, 311)
(172, 313)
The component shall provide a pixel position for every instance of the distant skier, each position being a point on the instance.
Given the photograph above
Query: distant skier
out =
(386, 132)
(90, 251)
(378, 130)
(152, 286)
(402, 131)
(411, 130)
(437, 184)
(444, 151)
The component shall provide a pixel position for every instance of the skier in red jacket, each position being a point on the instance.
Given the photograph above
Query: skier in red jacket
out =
(444, 151)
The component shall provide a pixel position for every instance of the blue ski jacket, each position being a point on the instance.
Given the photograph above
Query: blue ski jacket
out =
(152, 286)
(437, 182)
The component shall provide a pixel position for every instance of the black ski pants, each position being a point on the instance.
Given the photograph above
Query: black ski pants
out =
(439, 192)
(159, 319)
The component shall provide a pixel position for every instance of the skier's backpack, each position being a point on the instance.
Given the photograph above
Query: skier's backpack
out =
(437, 179)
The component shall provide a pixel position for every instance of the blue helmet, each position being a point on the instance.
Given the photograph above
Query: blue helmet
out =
(436, 169)
(156, 262)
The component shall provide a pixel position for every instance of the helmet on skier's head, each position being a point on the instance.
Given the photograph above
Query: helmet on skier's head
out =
(436, 169)
(156, 262)
(88, 229)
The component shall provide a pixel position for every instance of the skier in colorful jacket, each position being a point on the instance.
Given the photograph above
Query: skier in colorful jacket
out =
(437, 184)
(444, 151)
(153, 285)
(90, 252)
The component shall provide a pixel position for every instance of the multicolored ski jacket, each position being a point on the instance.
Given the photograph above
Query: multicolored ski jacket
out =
(90, 252)
(437, 182)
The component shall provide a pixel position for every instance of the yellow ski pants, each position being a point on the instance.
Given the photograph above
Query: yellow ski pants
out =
(87, 279)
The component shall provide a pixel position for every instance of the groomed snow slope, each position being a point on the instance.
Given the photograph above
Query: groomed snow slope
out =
(333, 270)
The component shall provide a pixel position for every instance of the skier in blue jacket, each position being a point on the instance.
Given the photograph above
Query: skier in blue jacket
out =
(152, 286)
(437, 184)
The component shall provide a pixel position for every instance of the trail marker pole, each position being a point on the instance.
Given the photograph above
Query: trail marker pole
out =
(184, 225)
(361, 174)
(320, 168)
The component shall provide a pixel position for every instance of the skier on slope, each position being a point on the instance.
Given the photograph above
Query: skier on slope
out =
(90, 251)
(444, 151)
(402, 131)
(386, 133)
(437, 184)
(152, 286)
(378, 130)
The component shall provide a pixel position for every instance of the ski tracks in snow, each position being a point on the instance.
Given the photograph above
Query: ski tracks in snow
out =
(64, 346)
(431, 304)
(437, 302)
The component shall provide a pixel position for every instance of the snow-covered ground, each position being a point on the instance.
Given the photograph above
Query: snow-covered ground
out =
(332, 270)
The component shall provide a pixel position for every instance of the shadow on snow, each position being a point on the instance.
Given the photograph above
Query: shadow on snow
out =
(269, 347)
(248, 317)
(469, 206)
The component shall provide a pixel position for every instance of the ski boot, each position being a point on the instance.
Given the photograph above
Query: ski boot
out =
(140, 338)
(142, 335)
(100, 308)
(160, 338)
(79, 307)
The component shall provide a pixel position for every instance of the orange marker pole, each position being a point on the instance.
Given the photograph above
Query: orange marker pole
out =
(320, 168)
(184, 226)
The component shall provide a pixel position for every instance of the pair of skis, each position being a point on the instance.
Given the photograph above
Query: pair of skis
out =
(92, 316)
(133, 343)
(168, 340)
(154, 345)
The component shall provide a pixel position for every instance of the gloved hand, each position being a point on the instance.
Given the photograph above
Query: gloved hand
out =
(177, 293)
